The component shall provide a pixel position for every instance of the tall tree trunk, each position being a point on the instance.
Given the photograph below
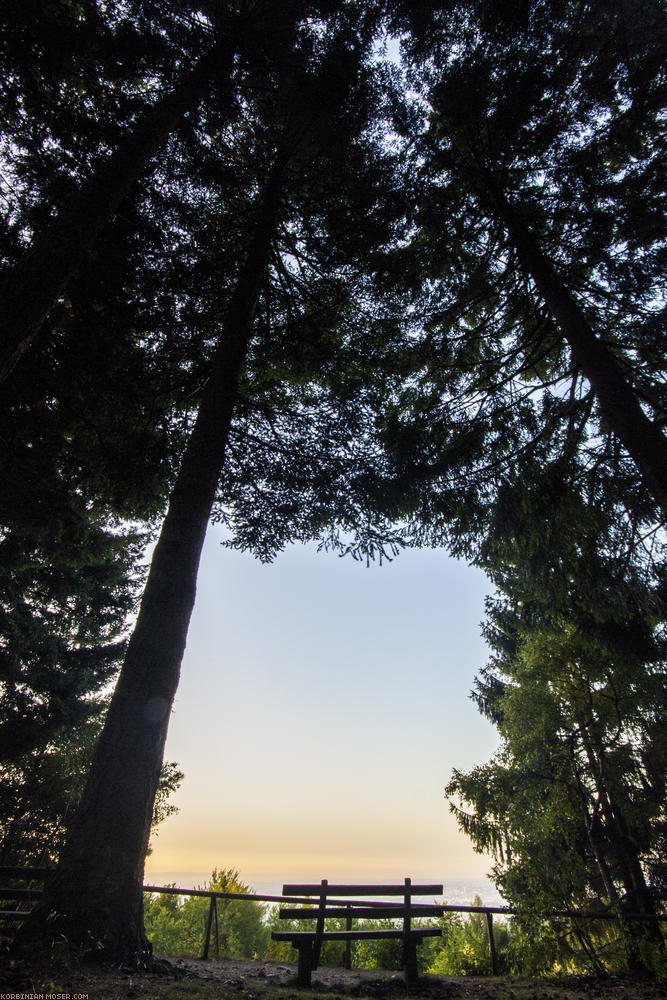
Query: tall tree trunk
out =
(630, 945)
(591, 821)
(624, 852)
(32, 287)
(643, 440)
(638, 898)
(94, 900)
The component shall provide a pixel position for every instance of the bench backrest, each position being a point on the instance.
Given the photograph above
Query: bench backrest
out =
(333, 889)
(329, 908)
(324, 891)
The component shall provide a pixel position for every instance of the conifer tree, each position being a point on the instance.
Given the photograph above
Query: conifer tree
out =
(114, 59)
(541, 236)
(572, 805)
(303, 110)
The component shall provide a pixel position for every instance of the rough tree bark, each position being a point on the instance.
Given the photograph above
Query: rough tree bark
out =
(94, 901)
(32, 287)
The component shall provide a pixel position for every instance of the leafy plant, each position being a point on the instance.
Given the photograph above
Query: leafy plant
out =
(176, 925)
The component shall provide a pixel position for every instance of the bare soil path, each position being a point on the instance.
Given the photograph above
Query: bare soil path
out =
(190, 979)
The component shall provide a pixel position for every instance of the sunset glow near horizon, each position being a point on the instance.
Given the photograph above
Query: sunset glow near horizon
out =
(321, 709)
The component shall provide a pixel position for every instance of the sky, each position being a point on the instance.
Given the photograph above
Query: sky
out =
(321, 709)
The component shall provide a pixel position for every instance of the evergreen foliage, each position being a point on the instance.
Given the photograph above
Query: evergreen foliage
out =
(572, 806)
(277, 284)
(298, 123)
(537, 193)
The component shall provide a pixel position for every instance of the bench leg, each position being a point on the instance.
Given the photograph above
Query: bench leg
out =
(305, 949)
(410, 963)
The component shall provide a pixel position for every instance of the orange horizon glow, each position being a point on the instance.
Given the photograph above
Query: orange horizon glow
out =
(321, 709)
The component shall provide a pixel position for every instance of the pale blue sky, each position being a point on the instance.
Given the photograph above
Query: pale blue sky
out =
(321, 708)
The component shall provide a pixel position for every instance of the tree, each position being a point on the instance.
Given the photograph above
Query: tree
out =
(40, 790)
(115, 807)
(65, 597)
(177, 927)
(572, 806)
(539, 246)
(89, 445)
(33, 285)
(37, 792)
(106, 844)
(113, 58)
(70, 567)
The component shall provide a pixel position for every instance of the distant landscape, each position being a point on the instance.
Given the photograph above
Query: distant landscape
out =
(456, 890)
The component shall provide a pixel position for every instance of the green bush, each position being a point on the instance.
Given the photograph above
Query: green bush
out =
(176, 925)
(464, 948)
(332, 953)
(383, 953)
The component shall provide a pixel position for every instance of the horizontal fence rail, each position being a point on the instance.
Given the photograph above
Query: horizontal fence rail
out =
(349, 907)
(366, 908)
(434, 909)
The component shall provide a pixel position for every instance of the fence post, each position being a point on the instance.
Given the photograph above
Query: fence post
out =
(209, 921)
(409, 945)
(347, 959)
(214, 900)
(492, 943)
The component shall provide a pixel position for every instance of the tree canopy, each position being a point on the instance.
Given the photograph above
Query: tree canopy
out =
(273, 198)
(536, 265)
(256, 272)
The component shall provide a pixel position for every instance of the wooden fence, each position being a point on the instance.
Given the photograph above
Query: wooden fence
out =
(488, 911)
(27, 896)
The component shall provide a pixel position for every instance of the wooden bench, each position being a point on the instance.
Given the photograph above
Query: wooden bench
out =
(309, 943)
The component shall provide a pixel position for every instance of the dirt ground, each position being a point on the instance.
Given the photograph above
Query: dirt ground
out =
(189, 979)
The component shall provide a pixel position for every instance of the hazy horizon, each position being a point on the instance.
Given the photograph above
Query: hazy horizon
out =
(321, 709)
(454, 890)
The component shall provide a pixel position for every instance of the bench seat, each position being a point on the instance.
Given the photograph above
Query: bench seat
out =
(385, 932)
